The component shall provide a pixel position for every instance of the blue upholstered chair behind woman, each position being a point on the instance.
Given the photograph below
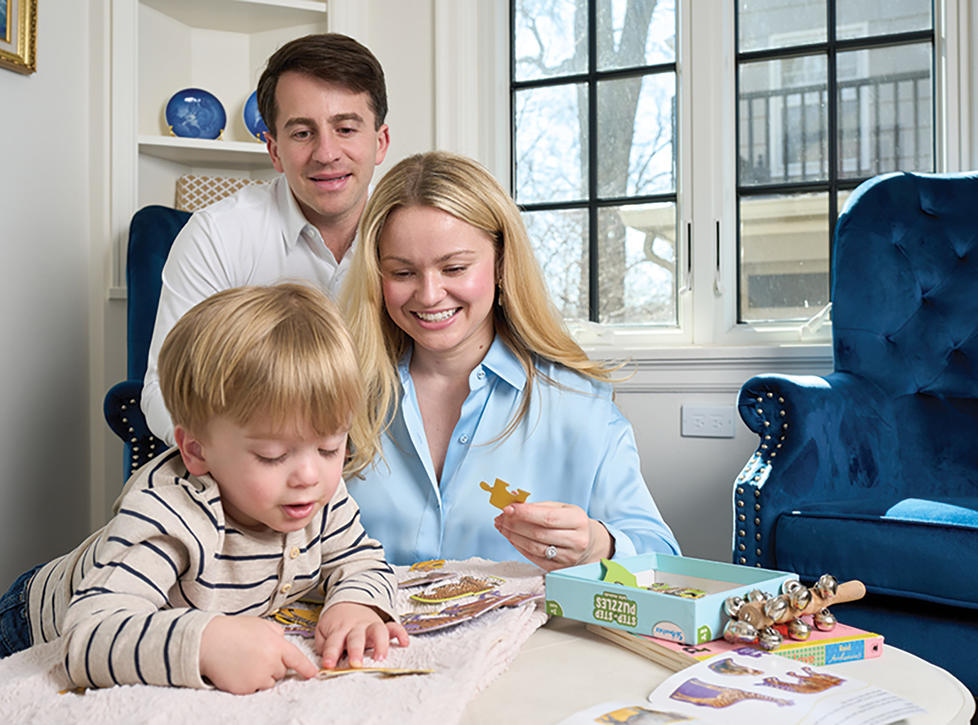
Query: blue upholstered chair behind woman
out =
(871, 472)
(151, 234)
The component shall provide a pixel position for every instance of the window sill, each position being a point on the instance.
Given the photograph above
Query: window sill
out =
(711, 369)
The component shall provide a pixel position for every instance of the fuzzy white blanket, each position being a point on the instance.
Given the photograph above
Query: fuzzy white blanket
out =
(466, 659)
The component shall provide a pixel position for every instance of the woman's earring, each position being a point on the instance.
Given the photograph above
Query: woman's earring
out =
(499, 295)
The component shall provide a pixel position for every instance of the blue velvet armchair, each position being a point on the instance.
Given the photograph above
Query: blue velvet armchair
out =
(151, 234)
(871, 472)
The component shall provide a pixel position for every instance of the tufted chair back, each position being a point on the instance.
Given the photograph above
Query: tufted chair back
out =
(905, 285)
(871, 472)
(151, 234)
(905, 317)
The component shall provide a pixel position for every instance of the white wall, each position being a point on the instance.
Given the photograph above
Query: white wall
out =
(400, 35)
(46, 175)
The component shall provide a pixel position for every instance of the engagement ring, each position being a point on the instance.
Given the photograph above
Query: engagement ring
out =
(551, 552)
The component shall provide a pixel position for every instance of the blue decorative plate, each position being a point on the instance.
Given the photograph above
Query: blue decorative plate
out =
(252, 118)
(195, 113)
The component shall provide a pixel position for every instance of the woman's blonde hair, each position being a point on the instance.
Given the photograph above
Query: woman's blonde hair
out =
(280, 352)
(524, 317)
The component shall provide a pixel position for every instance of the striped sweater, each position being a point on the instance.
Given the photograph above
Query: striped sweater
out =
(133, 599)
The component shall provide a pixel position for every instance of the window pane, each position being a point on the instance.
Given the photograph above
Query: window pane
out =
(861, 18)
(636, 132)
(783, 120)
(551, 145)
(765, 24)
(636, 33)
(842, 198)
(784, 265)
(550, 38)
(559, 239)
(637, 263)
(885, 116)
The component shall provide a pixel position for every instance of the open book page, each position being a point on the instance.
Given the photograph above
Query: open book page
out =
(739, 689)
(764, 687)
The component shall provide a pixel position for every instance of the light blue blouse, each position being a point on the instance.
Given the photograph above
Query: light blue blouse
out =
(573, 446)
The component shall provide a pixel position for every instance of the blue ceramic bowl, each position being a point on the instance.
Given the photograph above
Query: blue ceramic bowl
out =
(252, 118)
(195, 113)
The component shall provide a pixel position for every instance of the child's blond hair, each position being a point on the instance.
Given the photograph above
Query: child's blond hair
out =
(280, 352)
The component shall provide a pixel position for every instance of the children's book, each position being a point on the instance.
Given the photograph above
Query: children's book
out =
(842, 644)
(747, 686)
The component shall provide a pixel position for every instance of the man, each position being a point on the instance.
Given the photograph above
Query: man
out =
(324, 100)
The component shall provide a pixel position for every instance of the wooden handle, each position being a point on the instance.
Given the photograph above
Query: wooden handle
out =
(849, 591)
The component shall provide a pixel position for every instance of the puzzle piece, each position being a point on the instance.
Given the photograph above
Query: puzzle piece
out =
(430, 577)
(299, 618)
(428, 565)
(615, 573)
(424, 622)
(676, 591)
(463, 586)
(382, 671)
(500, 496)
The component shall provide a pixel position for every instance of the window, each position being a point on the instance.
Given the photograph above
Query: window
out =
(594, 99)
(829, 93)
(685, 191)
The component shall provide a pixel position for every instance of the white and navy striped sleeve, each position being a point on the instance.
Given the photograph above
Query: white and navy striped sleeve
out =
(353, 565)
(120, 627)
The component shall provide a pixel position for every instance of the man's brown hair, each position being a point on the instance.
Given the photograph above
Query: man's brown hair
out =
(331, 57)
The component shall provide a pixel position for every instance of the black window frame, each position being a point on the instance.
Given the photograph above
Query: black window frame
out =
(593, 203)
(831, 47)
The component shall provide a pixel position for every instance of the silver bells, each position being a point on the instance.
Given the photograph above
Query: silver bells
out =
(827, 585)
(824, 620)
(764, 619)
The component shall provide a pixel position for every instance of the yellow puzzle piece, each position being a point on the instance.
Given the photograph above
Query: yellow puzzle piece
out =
(501, 496)
(427, 565)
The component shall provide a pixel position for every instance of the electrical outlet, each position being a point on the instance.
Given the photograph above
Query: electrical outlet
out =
(707, 421)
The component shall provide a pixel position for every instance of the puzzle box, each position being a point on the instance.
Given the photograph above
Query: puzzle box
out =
(578, 592)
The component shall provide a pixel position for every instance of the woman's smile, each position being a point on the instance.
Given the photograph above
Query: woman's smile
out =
(439, 281)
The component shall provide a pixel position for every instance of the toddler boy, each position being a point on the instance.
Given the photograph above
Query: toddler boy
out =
(247, 514)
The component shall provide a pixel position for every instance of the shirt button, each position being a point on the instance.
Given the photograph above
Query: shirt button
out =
(481, 374)
(294, 552)
(286, 588)
(463, 438)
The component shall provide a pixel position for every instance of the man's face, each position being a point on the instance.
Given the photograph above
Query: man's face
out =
(327, 146)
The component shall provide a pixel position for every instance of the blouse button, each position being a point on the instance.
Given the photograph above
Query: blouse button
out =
(286, 588)
(294, 553)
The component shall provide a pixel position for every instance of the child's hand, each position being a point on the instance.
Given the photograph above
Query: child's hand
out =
(360, 628)
(243, 654)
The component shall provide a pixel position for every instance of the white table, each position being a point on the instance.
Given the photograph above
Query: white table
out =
(564, 668)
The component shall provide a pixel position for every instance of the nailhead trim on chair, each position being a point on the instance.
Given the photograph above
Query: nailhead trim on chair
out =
(147, 443)
(755, 473)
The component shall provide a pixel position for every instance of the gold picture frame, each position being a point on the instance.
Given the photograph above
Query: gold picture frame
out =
(18, 35)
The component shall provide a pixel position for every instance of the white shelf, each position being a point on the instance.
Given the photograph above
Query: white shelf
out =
(159, 46)
(250, 155)
(241, 16)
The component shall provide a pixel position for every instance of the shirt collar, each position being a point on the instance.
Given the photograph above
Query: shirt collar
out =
(294, 222)
(500, 361)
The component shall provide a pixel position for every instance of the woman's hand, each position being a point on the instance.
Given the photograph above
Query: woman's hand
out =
(534, 527)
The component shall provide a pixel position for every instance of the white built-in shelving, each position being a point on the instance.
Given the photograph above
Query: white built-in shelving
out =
(162, 46)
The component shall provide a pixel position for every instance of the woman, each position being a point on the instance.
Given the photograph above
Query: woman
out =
(472, 377)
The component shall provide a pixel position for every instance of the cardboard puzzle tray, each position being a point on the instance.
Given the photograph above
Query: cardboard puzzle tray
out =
(685, 606)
